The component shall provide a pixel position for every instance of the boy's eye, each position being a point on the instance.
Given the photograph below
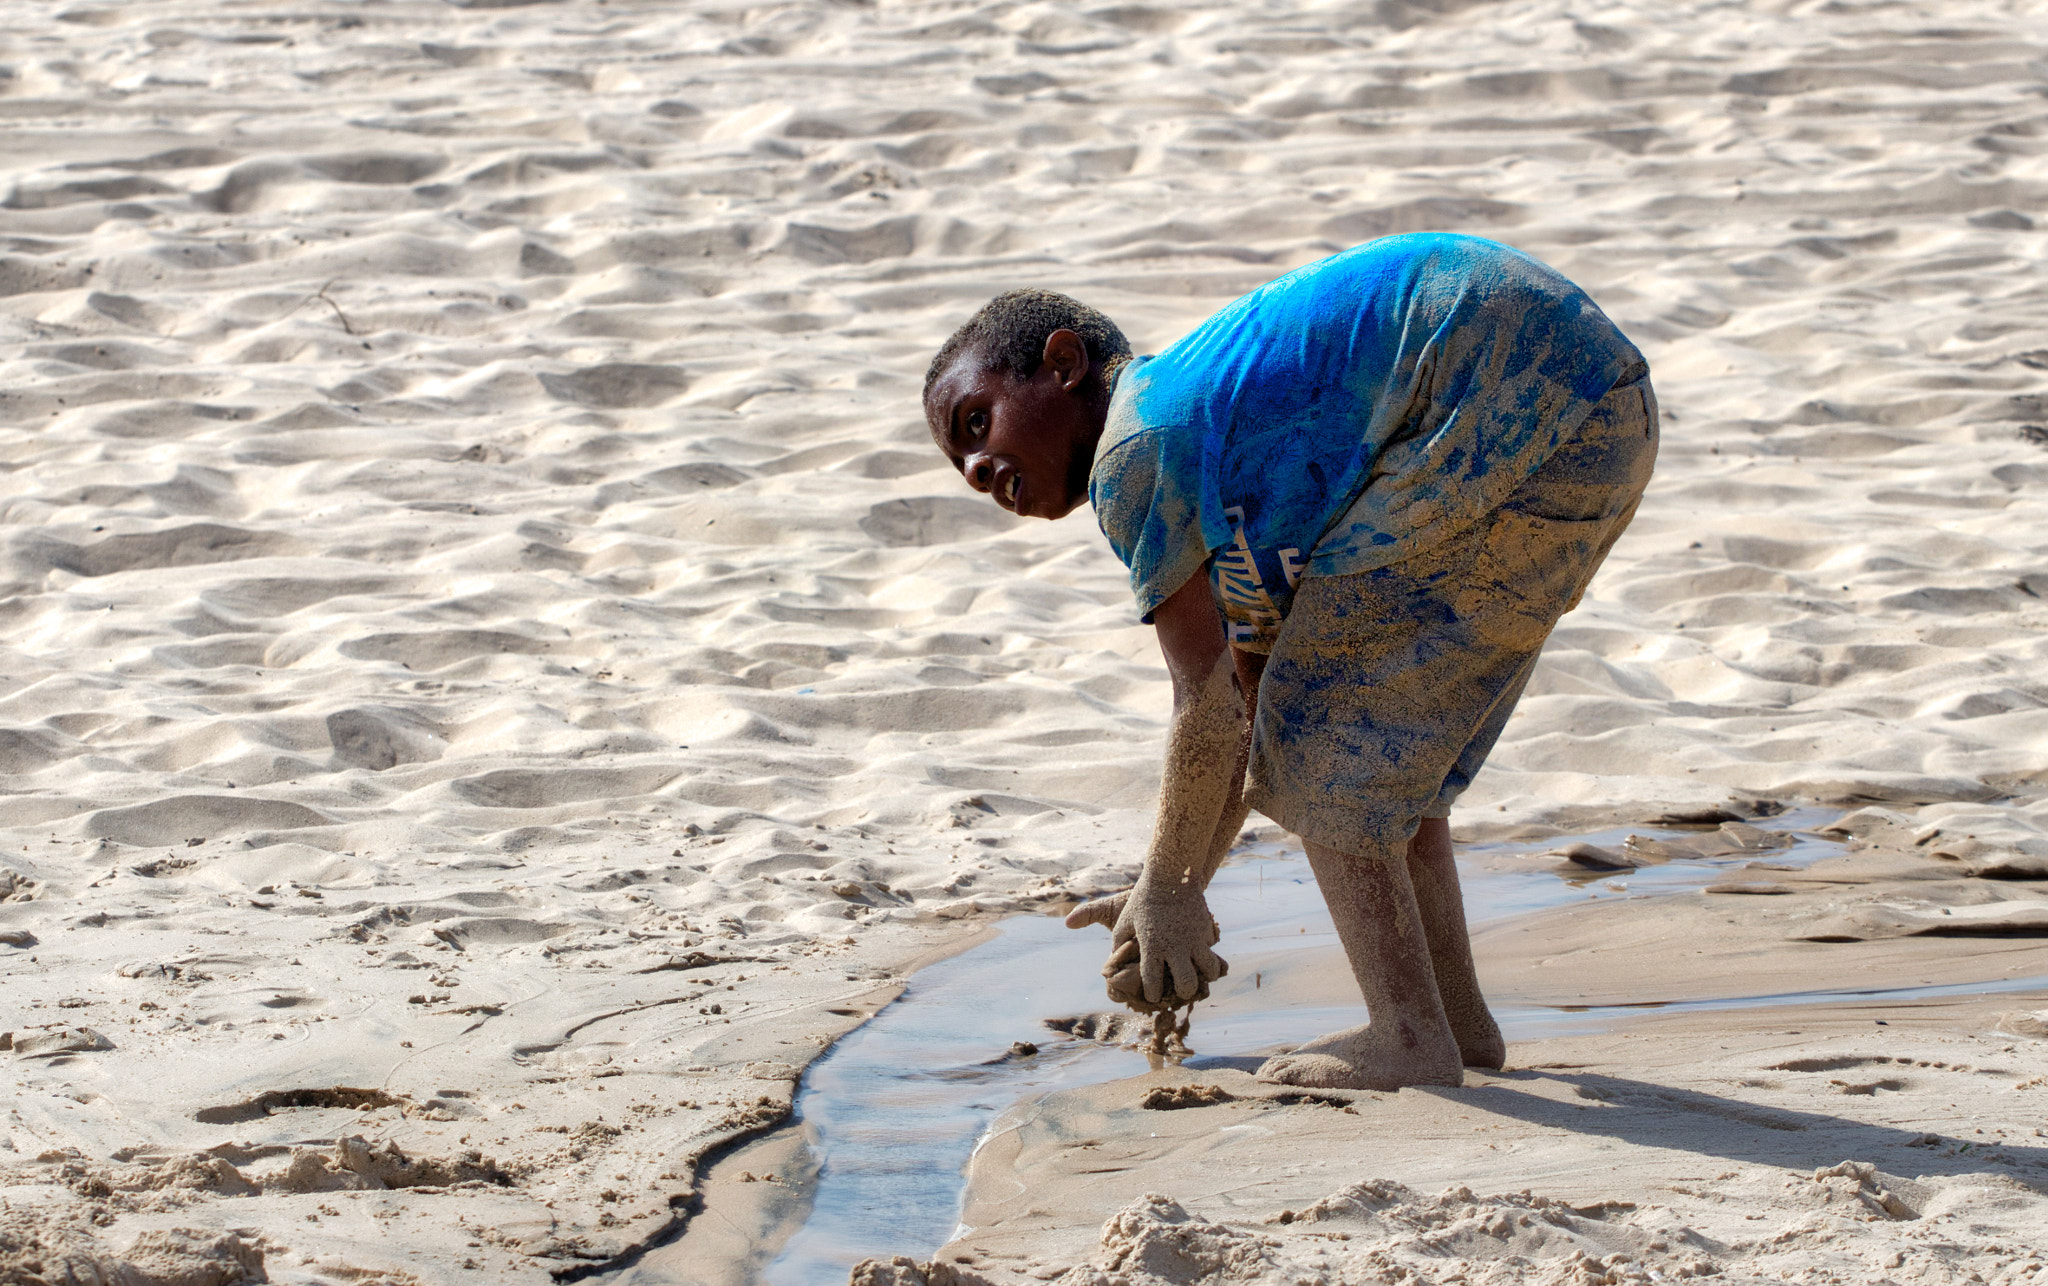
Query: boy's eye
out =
(977, 423)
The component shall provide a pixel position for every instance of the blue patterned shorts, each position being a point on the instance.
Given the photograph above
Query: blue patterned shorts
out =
(1384, 691)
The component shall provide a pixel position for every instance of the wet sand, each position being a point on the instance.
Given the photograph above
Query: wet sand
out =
(1689, 1145)
(1685, 1142)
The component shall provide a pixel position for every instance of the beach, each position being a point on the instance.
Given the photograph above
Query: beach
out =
(1860, 1113)
(495, 680)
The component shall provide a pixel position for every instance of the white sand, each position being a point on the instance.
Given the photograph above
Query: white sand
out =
(470, 534)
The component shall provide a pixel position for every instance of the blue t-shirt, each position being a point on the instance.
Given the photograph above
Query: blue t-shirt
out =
(1345, 416)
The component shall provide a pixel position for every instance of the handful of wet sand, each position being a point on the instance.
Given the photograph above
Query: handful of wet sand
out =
(1171, 1016)
(1170, 1034)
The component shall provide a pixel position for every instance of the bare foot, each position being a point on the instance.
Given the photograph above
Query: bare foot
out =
(1480, 1043)
(1358, 1059)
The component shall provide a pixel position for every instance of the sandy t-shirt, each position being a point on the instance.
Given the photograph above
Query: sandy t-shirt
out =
(1344, 417)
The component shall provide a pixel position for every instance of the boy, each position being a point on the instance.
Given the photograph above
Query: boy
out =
(1360, 497)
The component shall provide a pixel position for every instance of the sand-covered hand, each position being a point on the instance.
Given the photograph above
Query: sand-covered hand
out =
(1125, 971)
(1105, 911)
(1125, 983)
(1162, 949)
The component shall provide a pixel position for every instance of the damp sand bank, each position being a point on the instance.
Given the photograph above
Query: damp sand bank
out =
(1707, 1134)
(890, 1115)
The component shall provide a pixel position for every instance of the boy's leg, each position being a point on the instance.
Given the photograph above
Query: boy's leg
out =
(1433, 874)
(1433, 870)
(1383, 694)
(1408, 1041)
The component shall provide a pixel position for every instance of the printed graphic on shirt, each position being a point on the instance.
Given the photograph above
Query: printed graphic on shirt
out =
(1252, 587)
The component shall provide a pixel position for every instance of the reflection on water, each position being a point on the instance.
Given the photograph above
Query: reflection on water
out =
(894, 1111)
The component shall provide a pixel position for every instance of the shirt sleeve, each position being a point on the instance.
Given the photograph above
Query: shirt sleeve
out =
(1146, 494)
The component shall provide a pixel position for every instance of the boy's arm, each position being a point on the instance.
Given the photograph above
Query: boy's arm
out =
(1163, 929)
(1209, 693)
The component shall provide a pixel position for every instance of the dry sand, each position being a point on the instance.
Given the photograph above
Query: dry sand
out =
(482, 626)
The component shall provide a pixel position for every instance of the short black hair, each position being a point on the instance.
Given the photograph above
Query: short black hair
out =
(1010, 331)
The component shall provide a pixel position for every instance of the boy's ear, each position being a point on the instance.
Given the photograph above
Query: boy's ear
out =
(1067, 356)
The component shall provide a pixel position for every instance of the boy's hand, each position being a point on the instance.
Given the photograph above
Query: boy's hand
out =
(1161, 954)
(1105, 911)
(1162, 928)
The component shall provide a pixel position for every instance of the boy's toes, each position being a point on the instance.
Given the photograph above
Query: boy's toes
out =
(1311, 1071)
(1480, 1044)
(1348, 1060)
(1490, 1055)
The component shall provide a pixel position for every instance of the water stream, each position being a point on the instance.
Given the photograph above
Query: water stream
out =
(893, 1113)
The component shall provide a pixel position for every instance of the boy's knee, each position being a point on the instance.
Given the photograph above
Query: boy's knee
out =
(1382, 840)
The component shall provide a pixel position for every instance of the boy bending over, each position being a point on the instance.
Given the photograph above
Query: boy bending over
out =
(1353, 504)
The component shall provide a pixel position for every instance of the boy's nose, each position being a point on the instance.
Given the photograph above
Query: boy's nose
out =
(981, 473)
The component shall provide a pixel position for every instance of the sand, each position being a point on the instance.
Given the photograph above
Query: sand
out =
(1748, 1144)
(1757, 1148)
(483, 630)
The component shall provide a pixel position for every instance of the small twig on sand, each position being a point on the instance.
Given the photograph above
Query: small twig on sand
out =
(322, 295)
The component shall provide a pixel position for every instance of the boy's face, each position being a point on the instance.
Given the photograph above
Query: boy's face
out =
(1029, 443)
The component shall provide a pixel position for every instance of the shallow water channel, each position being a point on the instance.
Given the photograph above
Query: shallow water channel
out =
(894, 1111)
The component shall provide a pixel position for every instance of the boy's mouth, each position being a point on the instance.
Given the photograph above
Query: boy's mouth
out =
(1010, 489)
